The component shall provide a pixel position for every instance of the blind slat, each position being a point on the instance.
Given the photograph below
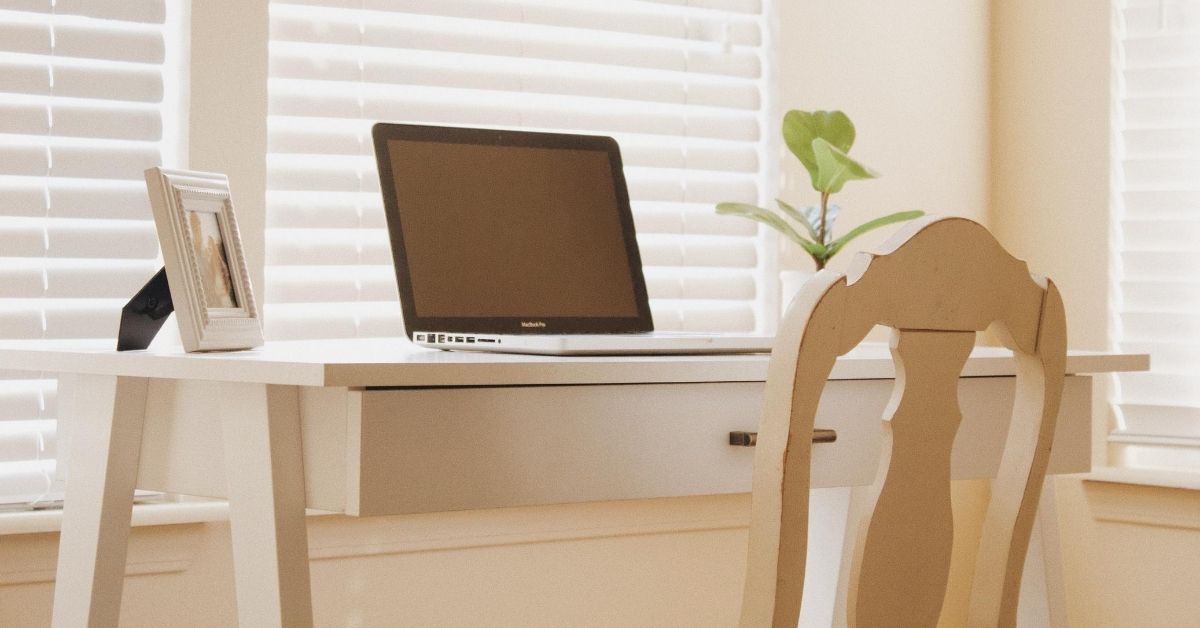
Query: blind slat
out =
(27, 399)
(27, 440)
(491, 10)
(697, 186)
(1154, 420)
(111, 239)
(25, 38)
(1181, 357)
(1170, 202)
(292, 19)
(378, 283)
(67, 198)
(1153, 112)
(335, 320)
(1183, 390)
(124, 162)
(1162, 143)
(148, 11)
(424, 106)
(690, 315)
(95, 319)
(25, 482)
(666, 88)
(72, 41)
(1161, 234)
(349, 247)
(1163, 296)
(97, 121)
(105, 83)
(145, 11)
(328, 151)
(103, 278)
(1178, 265)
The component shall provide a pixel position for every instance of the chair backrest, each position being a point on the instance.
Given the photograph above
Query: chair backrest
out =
(935, 283)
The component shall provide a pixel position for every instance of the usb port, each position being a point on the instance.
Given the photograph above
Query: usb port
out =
(420, 338)
(458, 339)
(470, 340)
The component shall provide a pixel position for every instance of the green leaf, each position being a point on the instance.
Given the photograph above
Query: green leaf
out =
(800, 128)
(799, 216)
(872, 225)
(773, 220)
(835, 168)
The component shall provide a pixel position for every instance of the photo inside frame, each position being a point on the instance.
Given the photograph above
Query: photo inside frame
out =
(212, 260)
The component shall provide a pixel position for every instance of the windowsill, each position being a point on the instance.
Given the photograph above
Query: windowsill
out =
(172, 513)
(1161, 478)
(1162, 498)
(192, 510)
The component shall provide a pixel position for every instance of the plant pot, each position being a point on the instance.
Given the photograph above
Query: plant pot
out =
(790, 282)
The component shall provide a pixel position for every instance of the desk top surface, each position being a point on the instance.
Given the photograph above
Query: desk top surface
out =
(396, 362)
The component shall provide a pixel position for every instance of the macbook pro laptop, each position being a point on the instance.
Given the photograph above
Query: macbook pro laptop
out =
(520, 242)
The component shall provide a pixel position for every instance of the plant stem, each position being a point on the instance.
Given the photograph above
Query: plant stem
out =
(822, 229)
(824, 211)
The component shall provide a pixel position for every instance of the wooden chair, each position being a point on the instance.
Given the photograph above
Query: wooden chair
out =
(936, 283)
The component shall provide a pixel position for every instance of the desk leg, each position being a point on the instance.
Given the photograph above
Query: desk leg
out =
(1043, 601)
(828, 536)
(1056, 579)
(265, 469)
(106, 441)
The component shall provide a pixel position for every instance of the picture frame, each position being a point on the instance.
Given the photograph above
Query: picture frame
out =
(204, 260)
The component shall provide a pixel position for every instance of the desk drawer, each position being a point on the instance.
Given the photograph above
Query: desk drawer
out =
(466, 448)
(439, 449)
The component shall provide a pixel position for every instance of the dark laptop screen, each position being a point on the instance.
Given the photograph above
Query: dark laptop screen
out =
(513, 234)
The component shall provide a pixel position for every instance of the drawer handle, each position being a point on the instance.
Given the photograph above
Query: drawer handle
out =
(750, 439)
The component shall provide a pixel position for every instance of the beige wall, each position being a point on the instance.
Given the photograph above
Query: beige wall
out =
(1131, 554)
(1049, 175)
(226, 109)
(649, 563)
(183, 578)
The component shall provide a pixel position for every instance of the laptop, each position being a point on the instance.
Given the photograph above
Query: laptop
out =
(520, 242)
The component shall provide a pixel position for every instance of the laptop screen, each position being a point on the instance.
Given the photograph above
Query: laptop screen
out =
(510, 232)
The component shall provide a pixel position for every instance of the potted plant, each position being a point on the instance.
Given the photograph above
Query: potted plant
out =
(821, 141)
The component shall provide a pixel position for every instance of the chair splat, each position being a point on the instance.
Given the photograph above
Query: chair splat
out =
(901, 562)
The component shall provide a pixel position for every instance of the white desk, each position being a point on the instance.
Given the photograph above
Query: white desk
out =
(372, 427)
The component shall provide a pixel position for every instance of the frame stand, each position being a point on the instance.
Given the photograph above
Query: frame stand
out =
(145, 313)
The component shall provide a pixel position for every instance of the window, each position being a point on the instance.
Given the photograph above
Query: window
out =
(81, 100)
(681, 84)
(1158, 234)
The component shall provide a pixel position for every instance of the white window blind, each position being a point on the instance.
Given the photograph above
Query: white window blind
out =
(81, 87)
(680, 84)
(1158, 175)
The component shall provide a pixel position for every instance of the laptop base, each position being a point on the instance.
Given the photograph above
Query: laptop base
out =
(652, 343)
